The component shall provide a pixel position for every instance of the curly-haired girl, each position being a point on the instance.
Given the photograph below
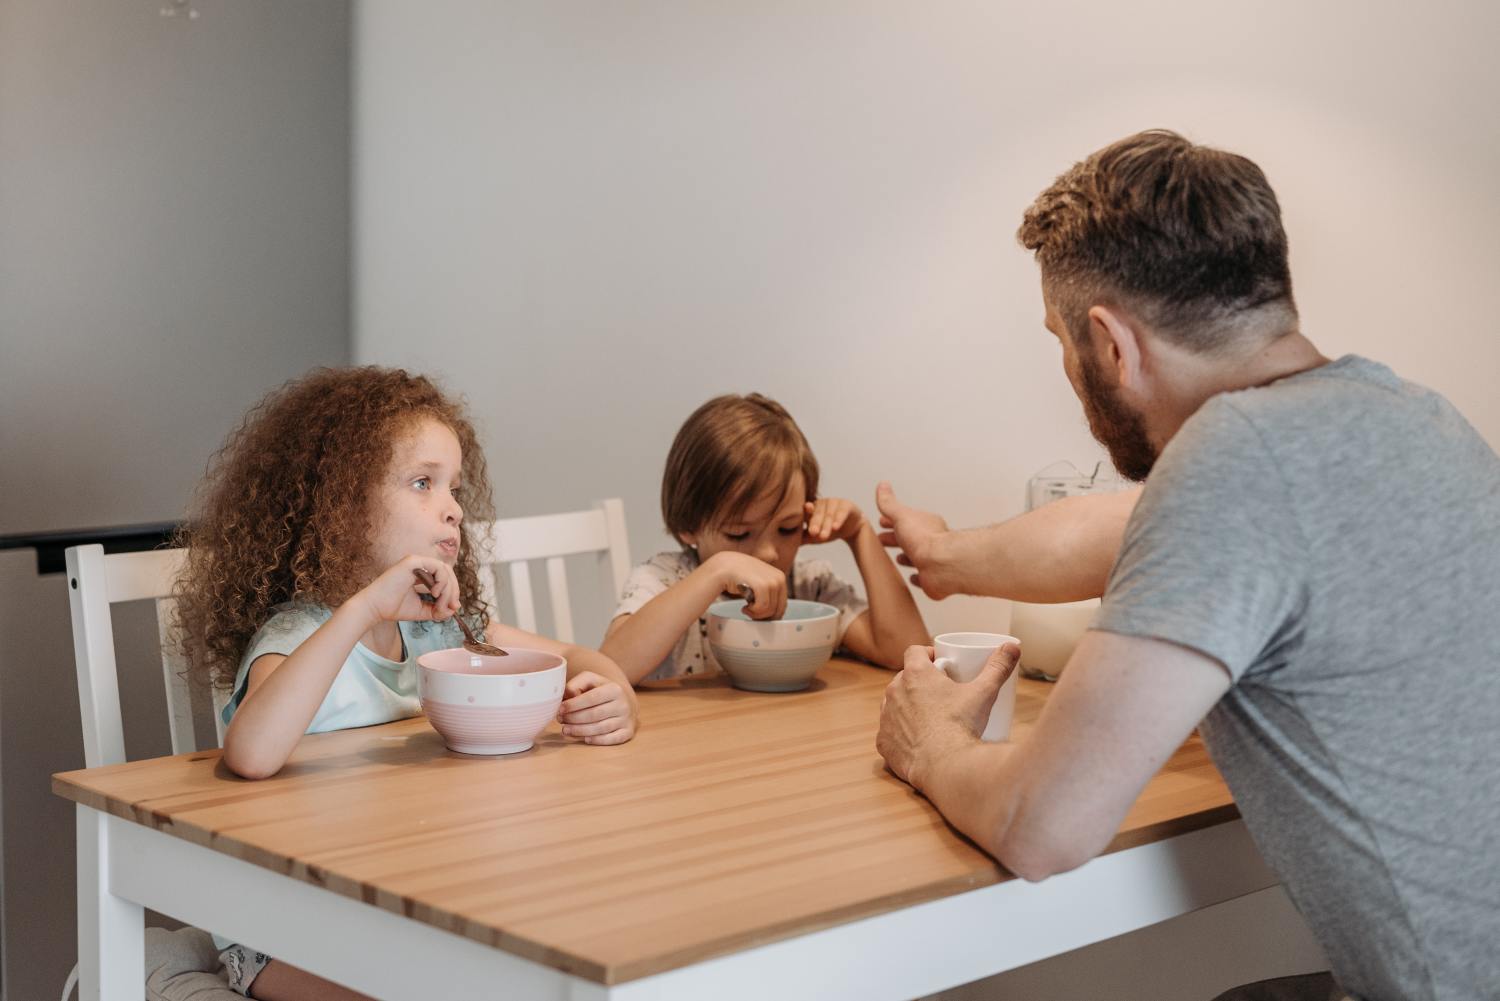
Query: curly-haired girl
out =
(299, 594)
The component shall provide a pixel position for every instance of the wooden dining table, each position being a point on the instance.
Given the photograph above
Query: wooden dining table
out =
(743, 845)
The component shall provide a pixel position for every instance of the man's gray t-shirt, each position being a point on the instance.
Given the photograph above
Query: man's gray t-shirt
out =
(1333, 539)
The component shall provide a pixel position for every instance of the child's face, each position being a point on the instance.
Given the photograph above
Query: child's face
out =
(417, 512)
(770, 528)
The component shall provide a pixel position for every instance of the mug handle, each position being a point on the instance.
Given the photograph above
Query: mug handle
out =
(944, 664)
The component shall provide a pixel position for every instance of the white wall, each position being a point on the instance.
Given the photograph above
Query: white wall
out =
(591, 217)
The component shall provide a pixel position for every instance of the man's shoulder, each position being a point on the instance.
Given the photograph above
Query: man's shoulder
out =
(1317, 393)
(1219, 441)
(1238, 424)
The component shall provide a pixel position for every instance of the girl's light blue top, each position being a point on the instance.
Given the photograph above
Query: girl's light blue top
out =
(369, 689)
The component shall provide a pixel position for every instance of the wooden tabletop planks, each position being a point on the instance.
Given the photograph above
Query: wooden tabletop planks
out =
(733, 819)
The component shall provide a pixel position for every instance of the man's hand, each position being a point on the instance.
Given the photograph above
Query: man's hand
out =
(913, 531)
(926, 715)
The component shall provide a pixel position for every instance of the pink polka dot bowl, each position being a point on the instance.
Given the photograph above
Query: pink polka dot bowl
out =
(490, 705)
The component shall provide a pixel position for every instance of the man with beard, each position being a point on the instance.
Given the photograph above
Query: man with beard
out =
(1314, 538)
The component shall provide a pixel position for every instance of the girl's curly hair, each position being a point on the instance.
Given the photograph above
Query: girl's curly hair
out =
(286, 510)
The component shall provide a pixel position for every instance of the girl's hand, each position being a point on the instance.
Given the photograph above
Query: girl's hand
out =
(597, 710)
(396, 594)
(830, 518)
(735, 571)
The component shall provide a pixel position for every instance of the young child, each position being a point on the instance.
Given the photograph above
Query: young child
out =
(299, 591)
(740, 493)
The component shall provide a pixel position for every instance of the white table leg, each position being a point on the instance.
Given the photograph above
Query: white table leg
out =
(111, 930)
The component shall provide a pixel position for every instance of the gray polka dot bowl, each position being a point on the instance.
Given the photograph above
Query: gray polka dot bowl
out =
(776, 655)
(490, 705)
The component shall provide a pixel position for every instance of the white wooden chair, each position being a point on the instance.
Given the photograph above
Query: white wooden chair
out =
(95, 582)
(517, 542)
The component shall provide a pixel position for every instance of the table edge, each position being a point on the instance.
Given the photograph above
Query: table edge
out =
(582, 966)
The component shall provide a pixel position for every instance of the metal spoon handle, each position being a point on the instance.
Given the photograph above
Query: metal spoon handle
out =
(429, 581)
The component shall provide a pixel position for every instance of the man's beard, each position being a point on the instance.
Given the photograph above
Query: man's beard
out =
(1114, 424)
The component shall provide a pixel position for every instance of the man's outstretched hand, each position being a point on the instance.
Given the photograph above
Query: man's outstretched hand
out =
(914, 532)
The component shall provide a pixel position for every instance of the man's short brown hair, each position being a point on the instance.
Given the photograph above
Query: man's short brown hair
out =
(1189, 238)
(729, 452)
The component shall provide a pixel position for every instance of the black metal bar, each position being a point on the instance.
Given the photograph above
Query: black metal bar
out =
(49, 546)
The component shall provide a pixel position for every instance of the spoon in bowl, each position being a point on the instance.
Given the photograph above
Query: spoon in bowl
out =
(470, 643)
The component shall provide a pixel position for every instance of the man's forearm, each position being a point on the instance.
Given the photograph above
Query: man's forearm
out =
(966, 782)
(1063, 551)
(990, 793)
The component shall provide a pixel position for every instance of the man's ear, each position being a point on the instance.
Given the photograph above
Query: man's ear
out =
(1118, 341)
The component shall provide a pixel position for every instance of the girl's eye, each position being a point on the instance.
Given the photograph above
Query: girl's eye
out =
(422, 483)
(736, 536)
(795, 530)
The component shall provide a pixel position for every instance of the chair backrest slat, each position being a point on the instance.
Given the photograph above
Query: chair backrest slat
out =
(516, 542)
(94, 657)
(174, 674)
(520, 595)
(557, 591)
(541, 536)
(616, 562)
(135, 576)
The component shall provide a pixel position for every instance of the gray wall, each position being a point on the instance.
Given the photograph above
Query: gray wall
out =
(174, 241)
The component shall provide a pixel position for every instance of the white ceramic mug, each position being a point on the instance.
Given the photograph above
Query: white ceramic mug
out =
(961, 656)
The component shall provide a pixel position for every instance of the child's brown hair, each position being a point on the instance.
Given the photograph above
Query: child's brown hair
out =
(286, 510)
(726, 455)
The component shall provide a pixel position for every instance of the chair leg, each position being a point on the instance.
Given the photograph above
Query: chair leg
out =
(70, 983)
(111, 930)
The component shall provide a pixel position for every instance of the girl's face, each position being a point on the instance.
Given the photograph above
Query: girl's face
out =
(416, 507)
(770, 529)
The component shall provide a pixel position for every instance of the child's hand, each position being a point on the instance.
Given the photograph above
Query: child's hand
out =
(597, 710)
(397, 594)
(830, 518)
(735, 571)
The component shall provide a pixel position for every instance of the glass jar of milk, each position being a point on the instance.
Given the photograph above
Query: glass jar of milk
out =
(1049, 632)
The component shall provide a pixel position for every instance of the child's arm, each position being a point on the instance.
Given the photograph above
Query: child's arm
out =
(600, 705)
(283, 693)
(639, 641)
(892, 622)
